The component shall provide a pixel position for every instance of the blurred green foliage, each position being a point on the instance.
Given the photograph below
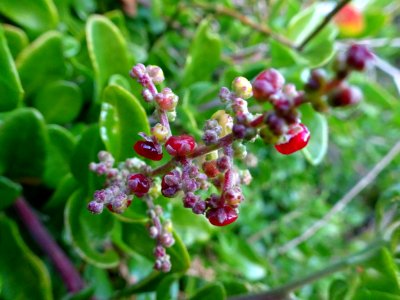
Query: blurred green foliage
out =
(65, 94)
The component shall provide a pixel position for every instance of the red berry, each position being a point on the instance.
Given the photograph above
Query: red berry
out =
(267, 83)
(298, 137)
(344, 96)
(358, 57)
(148, 150)
(222, 216)
(139, 184)
(180, 145)
(170, 184)
(210, 168)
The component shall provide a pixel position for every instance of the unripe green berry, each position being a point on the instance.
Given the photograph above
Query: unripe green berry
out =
(242, 87)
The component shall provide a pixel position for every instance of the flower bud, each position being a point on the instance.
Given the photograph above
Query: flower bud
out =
(167, 100)
(242, 87)
(160, 132)
(156, 74)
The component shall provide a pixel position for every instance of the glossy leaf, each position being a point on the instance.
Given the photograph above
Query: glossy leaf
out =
(122, 117)
(318, 127)
(64, 190)
(22, 274)
(11, 91)
(204, 55)
(211, 291)
(23, 140)
(85, 152)
(59, 151)
(35, 16)
(17, 39)
(168, 288)
(108, 51)
(9, 191)
(338, 289)
(59, 102)
(89, 233)
(41, 62)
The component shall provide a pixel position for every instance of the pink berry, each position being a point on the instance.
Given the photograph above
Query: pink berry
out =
(344, 96)
(222, 216)
(181, 145)
(139, 184)
(266, 84)
(358, 57)
(148, 150)
(298, 137)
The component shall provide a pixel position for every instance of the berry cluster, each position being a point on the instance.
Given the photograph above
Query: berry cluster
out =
(203, 173)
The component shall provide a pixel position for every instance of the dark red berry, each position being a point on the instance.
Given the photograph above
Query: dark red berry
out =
(297, 138)
(181, 145)
(344, 96)
(358, 57)
(170, 184)
(267, 83)
(148, 150)
(222, 216)
(138, 184)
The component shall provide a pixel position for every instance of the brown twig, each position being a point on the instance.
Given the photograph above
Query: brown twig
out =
(321, 26)
(44, 240)
(222, 10)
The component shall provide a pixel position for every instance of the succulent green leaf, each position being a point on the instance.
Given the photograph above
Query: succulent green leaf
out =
(11, 91)
(59, 102)
(89, 233)
(9, 191)
(122, 117)
(22, 274)
(35, 16)
(59, 151)
(108, 51)
(204, 55)
(168, 288)
(41, 62)
(16, 39)
(318, 127)
(23, 140)
(211, 291)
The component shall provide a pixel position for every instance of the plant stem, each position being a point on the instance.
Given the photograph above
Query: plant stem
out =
(44, 240)
(321, 26)
(353, 260)
(222, 10)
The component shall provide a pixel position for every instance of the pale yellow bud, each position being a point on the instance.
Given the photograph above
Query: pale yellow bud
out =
(242, 87)
(224, 120)
(160, 132)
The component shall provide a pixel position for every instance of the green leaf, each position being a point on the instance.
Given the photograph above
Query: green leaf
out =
(41, 62)
(90, 233)
(59, 151)
(23, 137)
(59, 102)
(338, 289)
(318, 126)
(11, 91)
(16, 39)
(204, 55)
(108, 51)
(122, 117)
(213, 291)
(35, 16)
(22, 274)
(134, 238)
(64, 190)
(9, 191)
(168, 288)
(85, 152)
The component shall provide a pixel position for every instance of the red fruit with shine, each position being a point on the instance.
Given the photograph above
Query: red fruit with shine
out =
(298, 137)
(222, 216)
(139, 184)
(266, 84)
(148, 150)
(181, 145)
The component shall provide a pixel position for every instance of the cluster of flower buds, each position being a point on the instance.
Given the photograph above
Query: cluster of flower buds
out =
(193, 167)
(322, 92)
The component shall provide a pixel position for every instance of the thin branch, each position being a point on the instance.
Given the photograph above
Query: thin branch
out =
(222, 10)
(346, 199)
(282, 292)
(324, 22)
(390, 70)
(44, 240)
